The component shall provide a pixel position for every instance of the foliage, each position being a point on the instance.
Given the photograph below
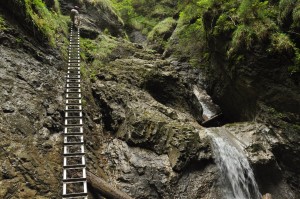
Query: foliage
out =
(240, 25)
(281, 43)
(296, 67)
(285, 8)
(95, 53)
(143, 15)
(162, 28)
(2, 23)
(51, 23)
(56, 7)
(106, 5)
(296, 15)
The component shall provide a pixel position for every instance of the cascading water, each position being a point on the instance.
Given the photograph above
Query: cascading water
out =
(237, 178)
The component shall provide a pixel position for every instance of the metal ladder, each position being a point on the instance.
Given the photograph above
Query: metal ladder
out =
(74, 162)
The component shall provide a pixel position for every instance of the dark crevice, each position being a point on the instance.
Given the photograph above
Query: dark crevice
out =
(105, 110)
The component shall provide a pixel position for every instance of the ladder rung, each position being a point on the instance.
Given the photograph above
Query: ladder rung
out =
(73, 80)
(68, 130)
(68, 125)
(74, 107)
(73, 90)
(72, 76)
(74, 195)
(73, 102)
(72, 121)
(74, 180)
(73, 72)
(73, 117)
(73, 85)
(76, 133)
(74, 68)
(74, 64)
(73, 143)
(73, 154)
(73, 97)
(70, 91)
(73, 113)
(74, 166)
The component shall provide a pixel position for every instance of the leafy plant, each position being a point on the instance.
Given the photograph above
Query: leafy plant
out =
(282, 43)
(94, 54)
(2, 23)
(51, 23)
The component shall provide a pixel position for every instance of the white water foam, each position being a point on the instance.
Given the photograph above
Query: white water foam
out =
(237, 178)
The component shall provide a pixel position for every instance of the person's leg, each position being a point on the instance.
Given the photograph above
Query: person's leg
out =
(77, 21)
(73, 21)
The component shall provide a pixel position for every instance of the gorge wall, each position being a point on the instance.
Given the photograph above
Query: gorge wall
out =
(142, 118)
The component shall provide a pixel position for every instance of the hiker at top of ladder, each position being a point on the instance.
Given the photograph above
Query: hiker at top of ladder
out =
(75, 17)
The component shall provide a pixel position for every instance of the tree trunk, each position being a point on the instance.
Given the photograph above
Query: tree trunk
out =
(104, 188)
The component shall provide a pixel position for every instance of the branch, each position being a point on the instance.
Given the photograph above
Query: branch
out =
(104, 188)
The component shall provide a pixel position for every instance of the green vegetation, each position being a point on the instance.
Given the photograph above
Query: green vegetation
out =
(2, 23)
(143, 15)
(162, 31)
(95, 53)
(239, 26)
(162, 27)
(106, 5)
(50, 22)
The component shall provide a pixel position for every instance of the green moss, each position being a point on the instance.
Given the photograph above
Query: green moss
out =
(95, 53)
(296, 15)
(57, 6)
(99, 48)
(242, 36)
(106, 5)
(296, 67)
(285, 8)
(162, 28)
(51, 23)
(142, 23)
(281, 43)
(143, 15)
(2, 24)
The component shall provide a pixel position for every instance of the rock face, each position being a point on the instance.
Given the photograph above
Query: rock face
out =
(161, 138)
(260, 142)
(145, 174)
(31, 87)
(96, 16)
(142, 116)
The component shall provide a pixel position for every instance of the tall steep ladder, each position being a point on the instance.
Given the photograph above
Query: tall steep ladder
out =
(74, 164)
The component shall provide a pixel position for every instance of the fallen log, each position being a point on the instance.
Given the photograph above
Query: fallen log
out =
(210, 122)
(105, 188)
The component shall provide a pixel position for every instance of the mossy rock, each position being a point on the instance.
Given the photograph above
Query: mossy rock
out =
(160, 34)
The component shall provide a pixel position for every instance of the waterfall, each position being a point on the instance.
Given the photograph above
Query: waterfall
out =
(237, 178)
(209, 108)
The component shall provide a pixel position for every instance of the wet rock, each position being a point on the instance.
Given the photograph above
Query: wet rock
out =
(259, 143)
(149, 129)
(86, 32)
(96, 16)
(267, 196)
(156, 178)
(170, 90)
(8, 107)
(137, 37)
(51, 110)
(28, 170)
(209, 108)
